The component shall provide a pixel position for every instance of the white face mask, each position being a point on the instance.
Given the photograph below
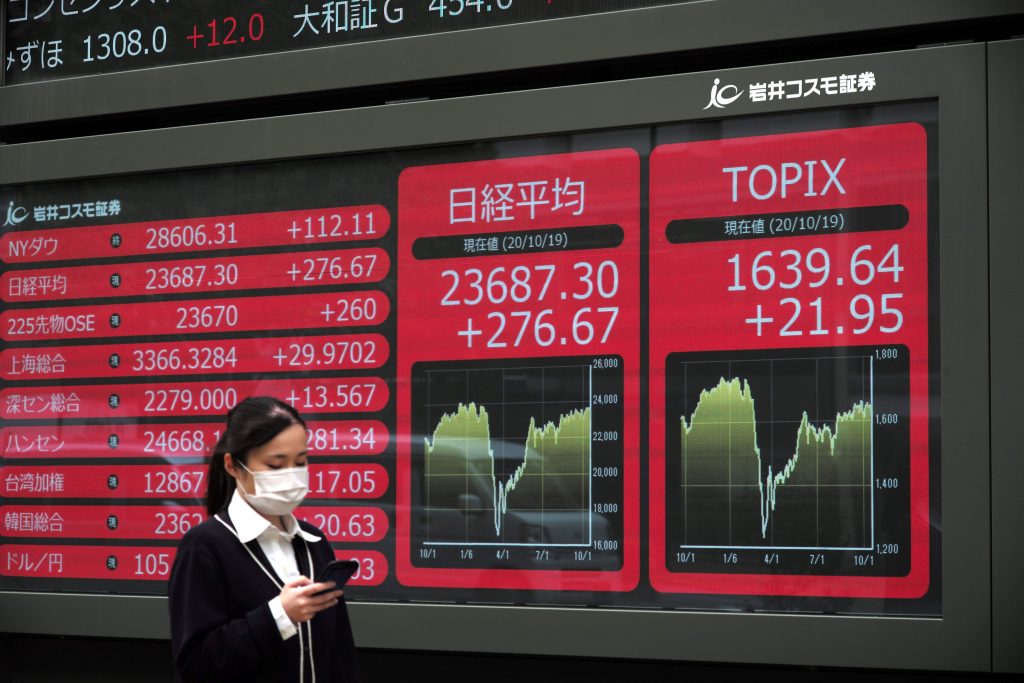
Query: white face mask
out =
(278, 492)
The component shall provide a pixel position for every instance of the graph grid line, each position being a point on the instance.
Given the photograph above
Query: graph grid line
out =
(754, 477)
(521, 457)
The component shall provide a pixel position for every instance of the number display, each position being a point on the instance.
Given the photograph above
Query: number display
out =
(348, 524)
(347, 481)
(176, 523)
(193, 399)
(357, 266)
(311, 311)
(167, 237)
(175, 441)
(229, 31)
(207, 358)
(347, 352)
(331, 352)
(355, 437)
(118, 481)
(530, 283)
(122, 44)
(152, 565)
(373, 566)
(178, 401)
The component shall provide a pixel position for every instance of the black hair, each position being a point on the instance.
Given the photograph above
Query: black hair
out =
(252, 423)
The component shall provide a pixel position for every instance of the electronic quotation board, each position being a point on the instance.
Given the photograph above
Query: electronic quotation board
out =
(682, 366)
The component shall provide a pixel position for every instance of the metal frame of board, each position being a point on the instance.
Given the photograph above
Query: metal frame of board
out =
(687, 26)
(961, 639)
(1006, 147)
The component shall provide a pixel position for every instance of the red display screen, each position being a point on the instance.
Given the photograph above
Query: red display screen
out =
(184, 440)
(196, 275)
(146, 359)
(169, 235)
(661, 367)
(525, 273)
(790, 405)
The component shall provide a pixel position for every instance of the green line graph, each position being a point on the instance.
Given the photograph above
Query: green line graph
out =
(461, 448)
(772, 451)
(723, 425)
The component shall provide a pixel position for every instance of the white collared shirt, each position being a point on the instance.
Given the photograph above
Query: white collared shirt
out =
(275, 544)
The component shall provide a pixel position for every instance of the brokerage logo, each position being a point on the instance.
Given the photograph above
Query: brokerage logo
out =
(721, 97)
(15, 215)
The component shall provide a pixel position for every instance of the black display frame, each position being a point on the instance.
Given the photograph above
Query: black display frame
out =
(961, 639)
(688, 27)
(1006, 145)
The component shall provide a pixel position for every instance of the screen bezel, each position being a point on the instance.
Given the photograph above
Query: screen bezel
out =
(653, 32)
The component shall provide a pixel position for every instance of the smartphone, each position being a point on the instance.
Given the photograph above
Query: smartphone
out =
(338, 571)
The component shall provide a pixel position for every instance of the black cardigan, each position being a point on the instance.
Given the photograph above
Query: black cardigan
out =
(221, 626)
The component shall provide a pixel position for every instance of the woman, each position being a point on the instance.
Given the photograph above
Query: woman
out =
(243, 605)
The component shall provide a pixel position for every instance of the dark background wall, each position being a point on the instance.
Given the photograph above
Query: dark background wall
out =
(39, 659)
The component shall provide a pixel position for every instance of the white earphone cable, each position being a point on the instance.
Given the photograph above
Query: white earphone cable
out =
(280, 586)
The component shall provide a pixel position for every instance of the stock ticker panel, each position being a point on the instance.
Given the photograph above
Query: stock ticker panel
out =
(517, 391)
(498, 302)
(47, 40)
(137, 311)
(790, 409)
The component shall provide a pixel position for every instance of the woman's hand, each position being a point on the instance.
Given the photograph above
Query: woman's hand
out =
(301, 598)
